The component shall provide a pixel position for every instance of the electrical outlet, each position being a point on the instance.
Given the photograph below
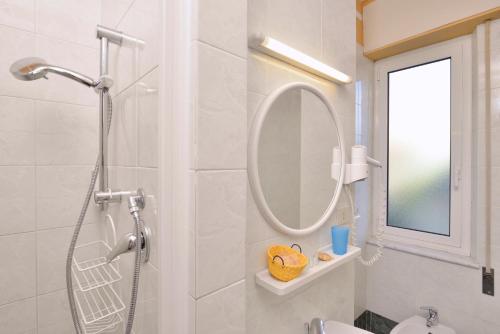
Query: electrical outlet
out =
(489, 282)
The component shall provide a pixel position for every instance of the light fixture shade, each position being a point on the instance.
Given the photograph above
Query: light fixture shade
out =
(279, 50)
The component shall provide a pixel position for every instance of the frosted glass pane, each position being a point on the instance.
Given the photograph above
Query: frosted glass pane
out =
(419, 148)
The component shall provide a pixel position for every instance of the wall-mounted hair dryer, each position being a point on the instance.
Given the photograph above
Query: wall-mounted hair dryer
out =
(357, 170)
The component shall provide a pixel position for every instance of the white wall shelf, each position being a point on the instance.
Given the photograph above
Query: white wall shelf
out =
(312, 272)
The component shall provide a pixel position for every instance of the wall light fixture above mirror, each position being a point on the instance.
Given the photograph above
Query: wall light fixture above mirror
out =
(290, 149)
(286, 53)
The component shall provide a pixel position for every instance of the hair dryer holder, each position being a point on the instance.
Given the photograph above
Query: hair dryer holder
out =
(358, 169)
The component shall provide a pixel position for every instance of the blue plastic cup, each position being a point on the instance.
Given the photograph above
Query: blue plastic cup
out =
(340, 239)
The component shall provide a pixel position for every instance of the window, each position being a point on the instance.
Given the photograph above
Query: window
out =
(418, 168)
(423, 133)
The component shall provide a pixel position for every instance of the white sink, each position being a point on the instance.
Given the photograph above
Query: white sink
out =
(417, 325)
(335, 327)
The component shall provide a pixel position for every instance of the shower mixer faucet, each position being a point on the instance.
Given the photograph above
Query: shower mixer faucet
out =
(128, 242)
(317, 326)
(432, 317)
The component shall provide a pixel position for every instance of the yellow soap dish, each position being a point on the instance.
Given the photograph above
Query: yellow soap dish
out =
(285, 263)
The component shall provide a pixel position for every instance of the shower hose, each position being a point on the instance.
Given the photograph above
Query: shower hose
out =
(74, 239)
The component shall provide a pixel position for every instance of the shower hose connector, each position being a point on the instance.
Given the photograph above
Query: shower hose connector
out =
(128, 242)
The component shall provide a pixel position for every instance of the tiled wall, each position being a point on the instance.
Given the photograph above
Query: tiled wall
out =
(133, 140)
(325, 30)
(48, 144)
(400, 283)
(218, 166)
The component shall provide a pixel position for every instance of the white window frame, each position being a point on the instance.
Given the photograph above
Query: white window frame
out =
(459, 49)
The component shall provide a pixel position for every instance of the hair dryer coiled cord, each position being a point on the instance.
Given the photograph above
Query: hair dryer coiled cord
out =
(379, 233)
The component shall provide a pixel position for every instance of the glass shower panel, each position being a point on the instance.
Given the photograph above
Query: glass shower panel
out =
(419, 126)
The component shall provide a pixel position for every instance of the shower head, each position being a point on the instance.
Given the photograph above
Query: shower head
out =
(32, 68)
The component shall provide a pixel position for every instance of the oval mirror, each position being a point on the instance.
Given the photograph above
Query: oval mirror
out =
(289, 159)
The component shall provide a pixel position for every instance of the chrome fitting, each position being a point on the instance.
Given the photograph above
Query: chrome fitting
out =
(137, 202)
(110, 196)
(128, 243)
(112, 35)
(104, 82)
(117, 37)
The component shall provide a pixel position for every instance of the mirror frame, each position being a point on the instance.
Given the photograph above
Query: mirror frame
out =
(253, 160)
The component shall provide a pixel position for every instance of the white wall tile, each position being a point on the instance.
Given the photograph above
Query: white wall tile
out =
(379, 284)
(18, 14)
(19, 317)
(191, 315)
(392, 304)
(123, 133)
(220, 106)
(66, 134)
(123, 67)
(267, 73)
(254, 101)
(191, 231)
(258, 228)
(360, 289)
(52, 247)
(296, 23)
(430, 291)
(18, 279)
(222, 312)
(69, 20)
(147, 118)
(17, 131)
(220, 229)
(146, 319)
(338, 49)
(17, 201)
(60, 193)
(142, 21)
(54, 316)
(256, 17)
(112, 11)
(222, 24)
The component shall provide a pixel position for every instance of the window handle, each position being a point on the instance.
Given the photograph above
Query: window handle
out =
(457, 178)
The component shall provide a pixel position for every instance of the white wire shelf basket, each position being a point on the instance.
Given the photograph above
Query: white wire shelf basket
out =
(98, 304)
(103, 325)
(96, 277)
(91, 255)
